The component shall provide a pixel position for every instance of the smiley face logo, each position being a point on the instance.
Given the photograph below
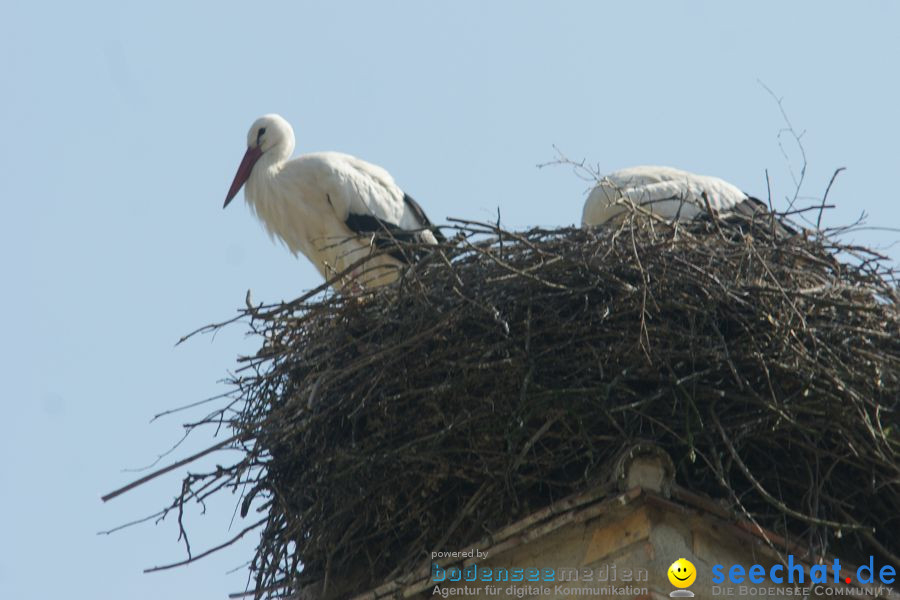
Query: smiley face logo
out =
(682, 573)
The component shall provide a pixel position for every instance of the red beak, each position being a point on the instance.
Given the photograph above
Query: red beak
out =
(250, 157)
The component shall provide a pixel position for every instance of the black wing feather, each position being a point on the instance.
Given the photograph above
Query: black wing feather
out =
(367, 224)
(422, 217)
(755, 210)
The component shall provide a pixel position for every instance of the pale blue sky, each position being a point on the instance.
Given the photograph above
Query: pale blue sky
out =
(123, 125)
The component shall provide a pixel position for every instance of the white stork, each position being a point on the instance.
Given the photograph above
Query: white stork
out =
(671, 193)
(334, 208)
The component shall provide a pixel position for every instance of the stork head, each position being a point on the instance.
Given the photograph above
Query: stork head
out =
(270, 136)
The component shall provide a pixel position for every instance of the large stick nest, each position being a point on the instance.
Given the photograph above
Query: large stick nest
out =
(508, 368)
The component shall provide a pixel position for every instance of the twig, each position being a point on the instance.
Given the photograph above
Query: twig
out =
(171, 467)
(206, 553)
(825, 196)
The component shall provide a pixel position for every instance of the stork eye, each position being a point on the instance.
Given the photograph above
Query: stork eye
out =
(259, 134)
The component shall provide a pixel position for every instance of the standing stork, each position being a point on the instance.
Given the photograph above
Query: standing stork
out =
(670, 193)
(334, 208)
